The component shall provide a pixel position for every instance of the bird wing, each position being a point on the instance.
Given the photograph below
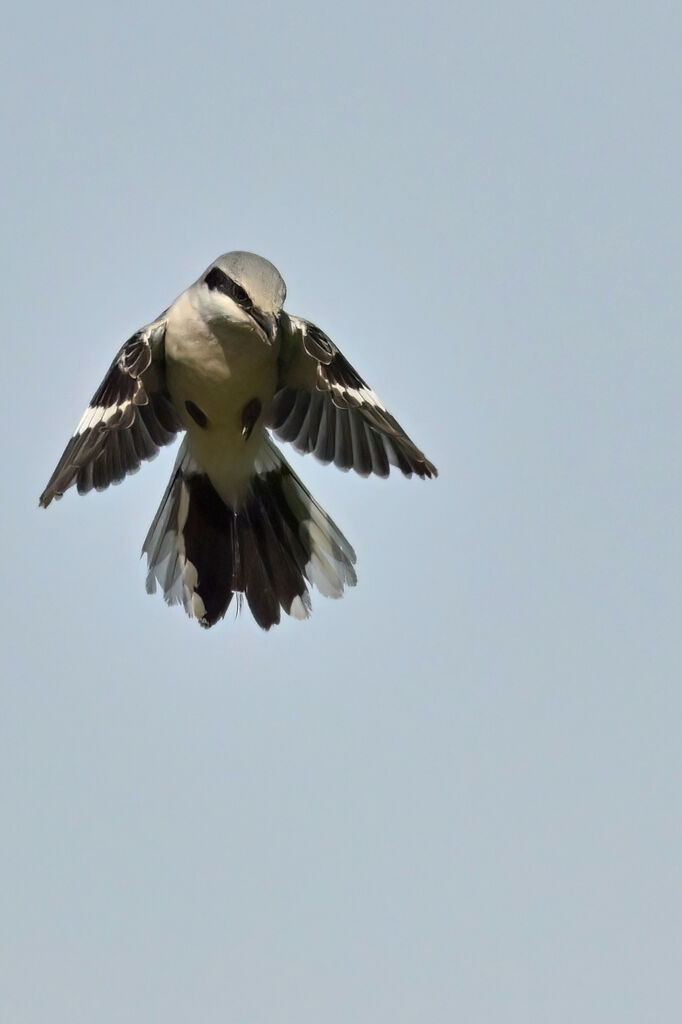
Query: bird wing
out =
(323, 406)
(129, 418)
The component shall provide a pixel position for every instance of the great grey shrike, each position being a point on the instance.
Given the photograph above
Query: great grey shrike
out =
(226, 364)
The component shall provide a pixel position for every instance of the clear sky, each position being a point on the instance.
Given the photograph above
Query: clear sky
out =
(455, 794)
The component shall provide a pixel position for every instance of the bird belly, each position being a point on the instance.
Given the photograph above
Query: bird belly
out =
(211, 380)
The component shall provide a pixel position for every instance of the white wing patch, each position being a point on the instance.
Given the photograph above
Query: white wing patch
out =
(101, 414)
(355, 397)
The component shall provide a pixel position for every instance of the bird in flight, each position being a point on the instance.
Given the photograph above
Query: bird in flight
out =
(226, 365)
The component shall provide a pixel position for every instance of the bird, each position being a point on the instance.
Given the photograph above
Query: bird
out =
(226, 365)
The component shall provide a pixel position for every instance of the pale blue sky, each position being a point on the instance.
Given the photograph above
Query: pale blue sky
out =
(454, 795)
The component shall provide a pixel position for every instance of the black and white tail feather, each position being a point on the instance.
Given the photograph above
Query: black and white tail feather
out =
(270, 547)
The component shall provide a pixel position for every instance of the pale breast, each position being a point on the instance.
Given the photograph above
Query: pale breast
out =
(220, 379)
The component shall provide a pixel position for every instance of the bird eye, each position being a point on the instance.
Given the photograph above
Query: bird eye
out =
(240, 295)
(218, 280)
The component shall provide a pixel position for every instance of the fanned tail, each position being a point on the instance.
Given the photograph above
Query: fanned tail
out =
(270, 547)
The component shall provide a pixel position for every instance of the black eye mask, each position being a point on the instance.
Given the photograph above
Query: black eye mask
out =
(218, 280)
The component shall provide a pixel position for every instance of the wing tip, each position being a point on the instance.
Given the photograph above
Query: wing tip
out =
(48, 495)
(430, 472)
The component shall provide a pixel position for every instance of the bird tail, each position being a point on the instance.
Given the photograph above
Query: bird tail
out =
(274, 543)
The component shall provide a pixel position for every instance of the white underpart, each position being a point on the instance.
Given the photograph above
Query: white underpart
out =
(220, 364)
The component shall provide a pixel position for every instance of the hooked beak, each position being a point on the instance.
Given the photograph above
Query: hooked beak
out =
(268, 324)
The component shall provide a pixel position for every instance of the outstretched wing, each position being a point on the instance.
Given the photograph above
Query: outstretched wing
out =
(129, 418)
(324, 406)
